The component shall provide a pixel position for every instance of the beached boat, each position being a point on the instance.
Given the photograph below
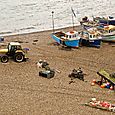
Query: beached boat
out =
(105, 20)
(89, 38)
(86, 23)
(69, 39)
(110, 37)
(109, 34)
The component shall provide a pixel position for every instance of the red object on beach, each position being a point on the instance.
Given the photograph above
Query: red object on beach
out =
(111, 88)
(94, 81)
(102, 86)
(105, 104)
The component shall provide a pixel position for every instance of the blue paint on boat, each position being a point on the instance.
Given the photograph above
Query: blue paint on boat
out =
(72, 43)
(70, 39)
(90, 39)
(91, 43)
(56, 39)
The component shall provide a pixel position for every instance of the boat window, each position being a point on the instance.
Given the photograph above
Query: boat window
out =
(90, 36)
(75, 35)
(94, 36)
(68, 36)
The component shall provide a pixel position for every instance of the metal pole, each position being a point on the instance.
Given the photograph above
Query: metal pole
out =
(73, 21)
(53, 20)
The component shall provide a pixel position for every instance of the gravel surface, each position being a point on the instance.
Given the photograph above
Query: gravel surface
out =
(24, 92)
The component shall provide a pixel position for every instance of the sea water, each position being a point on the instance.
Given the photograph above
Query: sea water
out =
(25, 16)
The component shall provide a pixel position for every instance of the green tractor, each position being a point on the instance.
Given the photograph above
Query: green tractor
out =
(13, 51)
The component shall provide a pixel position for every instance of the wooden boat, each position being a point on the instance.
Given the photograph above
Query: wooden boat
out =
(109, 34)
(90, 38)
(69, 39)
(108, 38)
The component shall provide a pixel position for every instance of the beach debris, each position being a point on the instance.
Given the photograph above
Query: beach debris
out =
(57, 71)
(107, 80)
(71, 81)
(100, 104)
(77, 73)
(34, 43)
(43, 64)
(1, 39)
(47, 73)
(35, 40)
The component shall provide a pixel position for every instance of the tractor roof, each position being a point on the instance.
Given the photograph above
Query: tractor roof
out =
(14, 43)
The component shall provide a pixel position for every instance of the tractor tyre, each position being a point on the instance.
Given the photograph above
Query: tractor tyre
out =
(19, 57)
(4, 59)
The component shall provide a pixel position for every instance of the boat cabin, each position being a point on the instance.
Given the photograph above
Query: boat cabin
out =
(72, 35)
(109, 28)
(91, 35)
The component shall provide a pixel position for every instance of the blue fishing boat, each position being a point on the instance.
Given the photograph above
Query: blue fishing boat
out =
(69, 39)
(90, 39)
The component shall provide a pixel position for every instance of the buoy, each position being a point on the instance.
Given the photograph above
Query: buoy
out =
(108, 86)
(102, 86)
(94, 81)
(108, 83)
(111, 88)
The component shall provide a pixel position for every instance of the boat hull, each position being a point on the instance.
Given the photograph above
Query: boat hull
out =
(57, 39)
(69, 43)
(72, 43)
(108, 38)
(91, 43)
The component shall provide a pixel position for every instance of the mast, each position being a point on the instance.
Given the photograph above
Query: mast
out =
(73, 15)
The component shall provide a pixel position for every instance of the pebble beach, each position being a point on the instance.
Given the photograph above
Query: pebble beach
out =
(24, 92)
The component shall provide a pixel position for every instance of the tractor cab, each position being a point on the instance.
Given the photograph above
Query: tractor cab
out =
(13, 47)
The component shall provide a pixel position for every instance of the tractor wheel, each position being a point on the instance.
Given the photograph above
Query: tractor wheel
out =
(4, 59)
(19, 57)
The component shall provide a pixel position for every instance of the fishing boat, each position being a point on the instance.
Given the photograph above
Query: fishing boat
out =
(109, 34)
(110, 20)
(90, 38)
(69, 39)
(110, 37)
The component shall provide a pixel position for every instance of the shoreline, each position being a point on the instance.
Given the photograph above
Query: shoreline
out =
(6, 34)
